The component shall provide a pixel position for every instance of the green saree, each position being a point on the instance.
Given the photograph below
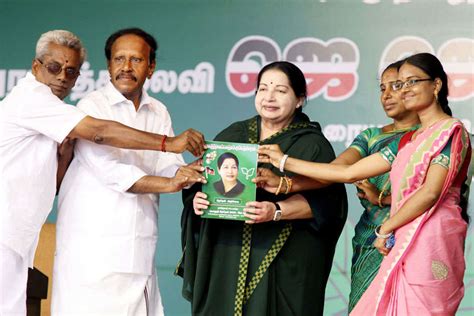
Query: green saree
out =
(220, 278)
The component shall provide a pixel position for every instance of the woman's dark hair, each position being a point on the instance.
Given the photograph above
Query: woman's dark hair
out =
(395, 65)
(225, 156)
(149, 39)
(434, 69)
(295, 77)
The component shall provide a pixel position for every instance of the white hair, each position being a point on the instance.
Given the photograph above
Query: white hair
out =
(60, 37)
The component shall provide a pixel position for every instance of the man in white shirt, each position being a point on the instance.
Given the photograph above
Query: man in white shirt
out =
(106, 232)
(33, 121)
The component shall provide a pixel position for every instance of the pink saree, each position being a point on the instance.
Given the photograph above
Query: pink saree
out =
(423, 273)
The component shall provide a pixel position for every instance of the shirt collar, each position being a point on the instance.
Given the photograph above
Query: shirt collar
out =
(115, 97)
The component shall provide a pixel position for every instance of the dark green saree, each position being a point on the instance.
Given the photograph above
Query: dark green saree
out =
(286, 266)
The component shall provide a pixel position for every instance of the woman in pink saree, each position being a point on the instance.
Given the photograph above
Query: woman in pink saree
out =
(423, 273)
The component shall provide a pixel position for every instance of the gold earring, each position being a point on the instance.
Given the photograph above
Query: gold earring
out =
(436, 97)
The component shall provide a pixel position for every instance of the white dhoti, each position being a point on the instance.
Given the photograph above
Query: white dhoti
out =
(13, 279)
(79, 290)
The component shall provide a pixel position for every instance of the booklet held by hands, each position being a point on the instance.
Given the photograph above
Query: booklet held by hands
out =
(229, 169)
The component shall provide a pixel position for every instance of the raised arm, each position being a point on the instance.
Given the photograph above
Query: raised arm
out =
(118, 135)
(347, 157)
(269, 181)
(365, 168)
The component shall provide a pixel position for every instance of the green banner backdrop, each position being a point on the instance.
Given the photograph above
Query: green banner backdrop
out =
(211, 50)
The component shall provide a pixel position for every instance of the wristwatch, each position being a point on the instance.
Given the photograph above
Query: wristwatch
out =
(277, 215)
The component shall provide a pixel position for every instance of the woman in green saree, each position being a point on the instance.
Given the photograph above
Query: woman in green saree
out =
(374, 192)
(278, 262)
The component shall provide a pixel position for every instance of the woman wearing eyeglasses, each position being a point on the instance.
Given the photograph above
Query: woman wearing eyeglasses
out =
(423, 272)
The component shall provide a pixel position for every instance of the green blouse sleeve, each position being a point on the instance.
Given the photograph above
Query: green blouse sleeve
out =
(390, 151)
(361, 142)
(443, 157)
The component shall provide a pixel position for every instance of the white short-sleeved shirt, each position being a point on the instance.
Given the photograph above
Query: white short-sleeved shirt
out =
(97, 217)
(32, 123)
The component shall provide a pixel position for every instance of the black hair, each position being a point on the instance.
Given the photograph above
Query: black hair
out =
(149, 39)
(395, 65)
(295, 77)
(225, 156)
(434, 69)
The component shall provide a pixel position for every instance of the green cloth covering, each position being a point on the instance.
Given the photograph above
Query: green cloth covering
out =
(295, 281)
(365, 257)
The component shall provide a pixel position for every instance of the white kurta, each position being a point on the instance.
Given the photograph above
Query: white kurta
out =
(32, 123)
(100, 225)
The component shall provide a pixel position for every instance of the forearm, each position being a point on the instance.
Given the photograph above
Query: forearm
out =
(152, 184)
(420, 201)
(348, 157)
(319, 171)
(295, 207)
(115, 134)
(418, 204)
(118, 135)
(301, 183)
(362, 169)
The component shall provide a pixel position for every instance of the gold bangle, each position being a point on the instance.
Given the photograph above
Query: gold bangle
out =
(279, 186)
(380, 199)
(381, 194)
(289, 183)
(286, 184)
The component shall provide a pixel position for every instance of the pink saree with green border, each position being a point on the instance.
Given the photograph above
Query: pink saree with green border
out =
(423, 273)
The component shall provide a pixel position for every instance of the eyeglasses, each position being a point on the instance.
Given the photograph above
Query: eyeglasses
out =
(398, 85)
(55, 69)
